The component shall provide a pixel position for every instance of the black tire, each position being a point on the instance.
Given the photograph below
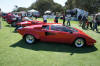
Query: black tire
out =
(29, 39)
(79, 42)
(13, 24)
(17, 28)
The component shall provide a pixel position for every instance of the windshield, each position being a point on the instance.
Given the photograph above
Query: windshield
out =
(45, 27)
(72, 29)
(28, 19)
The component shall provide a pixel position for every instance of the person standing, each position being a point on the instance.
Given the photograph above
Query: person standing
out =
(84, 22)
(80, 20)
(56, 18)
(45, 18)
(64, 19)
(90, 20)
(68, 18)
(95, 23)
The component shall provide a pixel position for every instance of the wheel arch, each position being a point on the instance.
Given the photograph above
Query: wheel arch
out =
(35, 35)
(81, 38)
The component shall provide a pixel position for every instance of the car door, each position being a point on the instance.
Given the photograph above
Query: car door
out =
(48, 35)
(57, 36)
(51, 36)
(65, 37)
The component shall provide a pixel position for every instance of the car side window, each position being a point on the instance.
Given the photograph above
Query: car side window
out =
(45, 27)
(59, 28)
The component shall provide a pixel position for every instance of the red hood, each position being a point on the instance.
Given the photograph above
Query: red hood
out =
(30, 22)
(81, 32)
(84, 34)
(33, 26)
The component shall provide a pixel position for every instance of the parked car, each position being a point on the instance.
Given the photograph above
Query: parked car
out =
(11, 19)
(4, 15)
(55, 33)
(29, 22)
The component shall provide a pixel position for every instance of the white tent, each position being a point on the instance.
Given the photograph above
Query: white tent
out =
(32, 10)
(47, 12)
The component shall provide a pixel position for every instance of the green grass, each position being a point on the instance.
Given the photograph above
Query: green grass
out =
(15, 52)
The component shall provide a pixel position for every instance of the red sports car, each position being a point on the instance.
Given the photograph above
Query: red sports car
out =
(11, 19)
(27, 22)
(55, 33)
(30, 22)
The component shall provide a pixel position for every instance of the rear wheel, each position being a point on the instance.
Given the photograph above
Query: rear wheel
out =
(29, 39)
(79, 42)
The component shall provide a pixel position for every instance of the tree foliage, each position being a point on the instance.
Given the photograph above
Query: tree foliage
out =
(88, 5)
(21, 9)
(43, 5)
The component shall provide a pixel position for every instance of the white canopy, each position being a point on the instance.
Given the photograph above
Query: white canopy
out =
(47, 12)
(32, 10)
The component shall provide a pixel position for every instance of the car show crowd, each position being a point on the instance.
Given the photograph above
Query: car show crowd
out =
(85, 21)
(22, 23)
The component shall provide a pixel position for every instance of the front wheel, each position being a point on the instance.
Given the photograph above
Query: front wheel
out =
(18, 27)
(79, 42)
(29, 39)
(13, 24)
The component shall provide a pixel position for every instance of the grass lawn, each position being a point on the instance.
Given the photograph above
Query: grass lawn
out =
(15, 52)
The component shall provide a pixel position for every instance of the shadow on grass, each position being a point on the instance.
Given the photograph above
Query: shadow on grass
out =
(14, 31)
(98, 32)
(7, 26)
(55, 47)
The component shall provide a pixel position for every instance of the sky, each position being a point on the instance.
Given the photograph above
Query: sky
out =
(8, 5)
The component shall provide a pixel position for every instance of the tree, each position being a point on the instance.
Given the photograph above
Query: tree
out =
(21, 9)
(57, 8)
(43, 5)
(88, 5)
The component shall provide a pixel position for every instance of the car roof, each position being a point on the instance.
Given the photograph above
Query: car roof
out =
(32, 26)
(52, 24)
